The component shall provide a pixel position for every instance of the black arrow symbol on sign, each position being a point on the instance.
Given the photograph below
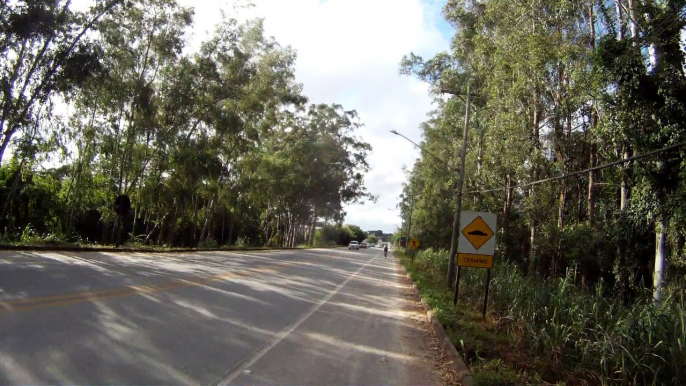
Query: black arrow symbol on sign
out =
(477, 233)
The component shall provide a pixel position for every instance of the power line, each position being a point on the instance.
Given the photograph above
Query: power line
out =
(567, 175)
(443, 163)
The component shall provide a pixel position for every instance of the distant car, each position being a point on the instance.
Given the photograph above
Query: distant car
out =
(372, 245)
(363, 245)
(354, 245)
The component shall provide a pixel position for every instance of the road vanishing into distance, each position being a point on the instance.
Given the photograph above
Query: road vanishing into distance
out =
(318, 316)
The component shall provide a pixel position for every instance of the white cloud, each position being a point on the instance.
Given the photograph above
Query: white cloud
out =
(349, 53)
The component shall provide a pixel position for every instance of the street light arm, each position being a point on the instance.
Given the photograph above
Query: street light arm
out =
(444, 163)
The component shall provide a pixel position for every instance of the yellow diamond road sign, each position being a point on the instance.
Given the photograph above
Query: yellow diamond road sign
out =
(477, 232)
(414, 244)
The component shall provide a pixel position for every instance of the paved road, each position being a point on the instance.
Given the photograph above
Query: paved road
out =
(282, 317)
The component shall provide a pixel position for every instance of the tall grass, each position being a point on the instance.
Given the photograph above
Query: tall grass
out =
(589, 336)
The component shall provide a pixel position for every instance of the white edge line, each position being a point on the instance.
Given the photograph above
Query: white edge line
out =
(255, 356)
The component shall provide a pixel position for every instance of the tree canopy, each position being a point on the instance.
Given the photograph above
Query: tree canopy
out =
(218, 146)
(559, 87)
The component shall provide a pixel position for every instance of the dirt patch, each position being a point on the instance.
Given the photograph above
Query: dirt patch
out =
(433, 354)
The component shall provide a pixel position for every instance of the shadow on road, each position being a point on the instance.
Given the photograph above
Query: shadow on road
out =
(84, 318)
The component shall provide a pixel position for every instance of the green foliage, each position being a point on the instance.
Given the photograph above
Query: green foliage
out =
(372, 239)
(214, 147)
(496, 372)
(211, 243)
(242, 242)
(356, 232)
(29, 236)
(341, 235)
(558, 87)
(576, 335)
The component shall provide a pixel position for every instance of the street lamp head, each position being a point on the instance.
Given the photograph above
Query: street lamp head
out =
(395, 132)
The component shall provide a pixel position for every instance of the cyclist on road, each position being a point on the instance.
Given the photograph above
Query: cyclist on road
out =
(385, 250)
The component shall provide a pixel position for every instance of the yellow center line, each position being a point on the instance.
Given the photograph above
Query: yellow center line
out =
(92, 296)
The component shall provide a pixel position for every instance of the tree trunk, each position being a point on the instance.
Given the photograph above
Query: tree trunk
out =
(591, 186)
(115, 228)
(171, 231)
(594, 149)
(633, 25)
(534, 176)
(267, 228)
(621, 26)
(532, 246)
(160, 235)
(624, 190)
(208, 220)
(160, 224)
(221, 242)
(294, 235)
(230, 231)
(581, 206)
(133, 225)
(506, 215)
(146, 221)
(195, 220)
(5, 143)
(660, 252)
(313, 230)
(561, 208)
(314, 225)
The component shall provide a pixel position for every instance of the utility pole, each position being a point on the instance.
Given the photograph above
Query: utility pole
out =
(660, 252)
(409, 225)
(460, 182)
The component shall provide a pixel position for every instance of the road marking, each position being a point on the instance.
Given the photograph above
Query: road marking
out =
(85, 297)
(259, 353)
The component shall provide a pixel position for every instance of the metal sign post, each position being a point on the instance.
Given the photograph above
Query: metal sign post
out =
(476, 246)
(413, 244)
(488, 282)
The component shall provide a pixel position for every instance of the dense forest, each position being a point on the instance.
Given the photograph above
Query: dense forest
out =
(212, 146)
(563, 99)
(559, 87)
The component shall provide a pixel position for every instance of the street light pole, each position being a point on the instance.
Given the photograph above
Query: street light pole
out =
(409, 225)
(458, 209)
(460, 183)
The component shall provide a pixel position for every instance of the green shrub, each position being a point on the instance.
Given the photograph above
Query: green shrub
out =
(29, 236)
(592, 335)
(209, 242)
(241, 242)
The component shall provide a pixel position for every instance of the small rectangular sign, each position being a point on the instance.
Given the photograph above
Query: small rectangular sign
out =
(477, 261)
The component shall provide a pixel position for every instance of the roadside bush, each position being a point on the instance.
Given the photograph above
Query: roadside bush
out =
(29, 236)
(242, 242)
(209, 242)
(589, 335)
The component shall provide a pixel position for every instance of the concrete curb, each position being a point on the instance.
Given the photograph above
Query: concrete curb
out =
(48, 248)
(461, 369)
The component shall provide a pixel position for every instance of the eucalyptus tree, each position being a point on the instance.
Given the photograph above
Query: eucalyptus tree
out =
(561, 86)
(46, 49)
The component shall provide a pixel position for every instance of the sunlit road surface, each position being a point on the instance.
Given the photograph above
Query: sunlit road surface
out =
(281, 317)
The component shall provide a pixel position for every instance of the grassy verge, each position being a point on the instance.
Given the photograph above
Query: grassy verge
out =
(485, 348)
(552, 332)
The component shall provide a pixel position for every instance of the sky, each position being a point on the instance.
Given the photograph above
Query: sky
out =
(349, 53)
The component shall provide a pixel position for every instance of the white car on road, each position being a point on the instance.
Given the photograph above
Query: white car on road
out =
(354, 245)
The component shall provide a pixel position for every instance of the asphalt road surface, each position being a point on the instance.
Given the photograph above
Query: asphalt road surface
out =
(210, 318)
